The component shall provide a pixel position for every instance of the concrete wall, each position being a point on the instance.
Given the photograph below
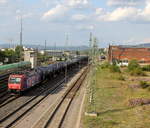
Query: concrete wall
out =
(32, 57)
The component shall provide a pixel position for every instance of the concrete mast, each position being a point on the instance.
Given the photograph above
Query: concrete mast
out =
(21, 31)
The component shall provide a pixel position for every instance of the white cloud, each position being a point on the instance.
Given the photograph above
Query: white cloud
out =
(77, 3)
(64, 7)
(134, 41)
(99, 11)
(119, 14)
(145, 14)
(85, 27)
(50, 2)
(3, 1)
(79, 17)
(55, 12)
(126, 13)
(24, 15)
(125, 2)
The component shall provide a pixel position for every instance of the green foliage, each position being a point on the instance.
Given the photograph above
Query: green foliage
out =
(2, 56)
(120, 77)
(43, 58)
(105, 65)
(133, 64)
(13, 56)
(134, 69)
(19, 51)
(101, 51)
(146, 68)
(10, 54)
(144, 84)
(137, 72)
(114, 68)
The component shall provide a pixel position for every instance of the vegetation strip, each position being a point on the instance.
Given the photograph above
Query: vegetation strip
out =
(112, 96)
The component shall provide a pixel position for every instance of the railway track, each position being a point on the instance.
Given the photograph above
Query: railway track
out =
(3, 83)
(3, 89)
(8, 99)
(14, 116)
(2, 94)
(55, 118)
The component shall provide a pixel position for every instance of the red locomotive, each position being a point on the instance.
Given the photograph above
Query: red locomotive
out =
(22, 81)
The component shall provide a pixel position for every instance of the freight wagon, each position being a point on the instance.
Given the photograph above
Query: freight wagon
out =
(25, 80)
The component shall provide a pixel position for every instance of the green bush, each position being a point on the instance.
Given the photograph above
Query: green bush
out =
(133, 64)
(105, 65)
(146, 68)
(114, 68)
(120, 77)
(137, 72)
(135, 69)
(144, 84)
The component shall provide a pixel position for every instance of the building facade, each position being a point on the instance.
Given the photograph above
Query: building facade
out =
(122, 55)
(31, 56)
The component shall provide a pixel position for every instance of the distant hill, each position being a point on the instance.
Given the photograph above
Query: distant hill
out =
(42, 47)
(144, 45)
(147, 45)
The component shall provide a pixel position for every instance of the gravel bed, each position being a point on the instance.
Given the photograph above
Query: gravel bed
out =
(6, 110)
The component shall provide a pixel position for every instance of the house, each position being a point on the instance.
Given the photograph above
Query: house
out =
(123, 54)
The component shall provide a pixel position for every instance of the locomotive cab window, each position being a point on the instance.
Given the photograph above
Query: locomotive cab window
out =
(14, 80)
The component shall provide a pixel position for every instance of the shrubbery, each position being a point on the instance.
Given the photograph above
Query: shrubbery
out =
(133, 64)
(135, 69)
(114, 68)
(146, 68)
(105, 65)
(137, 72)
(121, 77)
(144, 84)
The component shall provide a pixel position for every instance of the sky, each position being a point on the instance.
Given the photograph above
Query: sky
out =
(111, 21)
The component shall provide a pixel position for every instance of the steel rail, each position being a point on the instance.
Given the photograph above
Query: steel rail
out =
(70, 93)
(24, 111)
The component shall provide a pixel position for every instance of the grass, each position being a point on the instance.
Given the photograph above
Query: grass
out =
(111, 97)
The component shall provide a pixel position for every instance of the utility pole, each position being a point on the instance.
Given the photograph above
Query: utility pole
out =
(66, 45)
(67, 40)
(45, 46)
(45, 50)
(21, 31)
(90, 47)
(93, 50)
(21, 38)
(54, 51)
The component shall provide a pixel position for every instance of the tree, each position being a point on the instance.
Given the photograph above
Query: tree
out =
(2, 56)
(11, 55)
(19, 51)
(133, 64)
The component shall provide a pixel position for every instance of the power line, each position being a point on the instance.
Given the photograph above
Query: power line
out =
(45, 46)
(67, 41)
(21, 31)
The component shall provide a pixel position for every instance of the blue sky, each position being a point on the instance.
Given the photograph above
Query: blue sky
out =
(111, 21)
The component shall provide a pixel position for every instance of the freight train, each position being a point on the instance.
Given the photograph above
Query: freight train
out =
(22, 81)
